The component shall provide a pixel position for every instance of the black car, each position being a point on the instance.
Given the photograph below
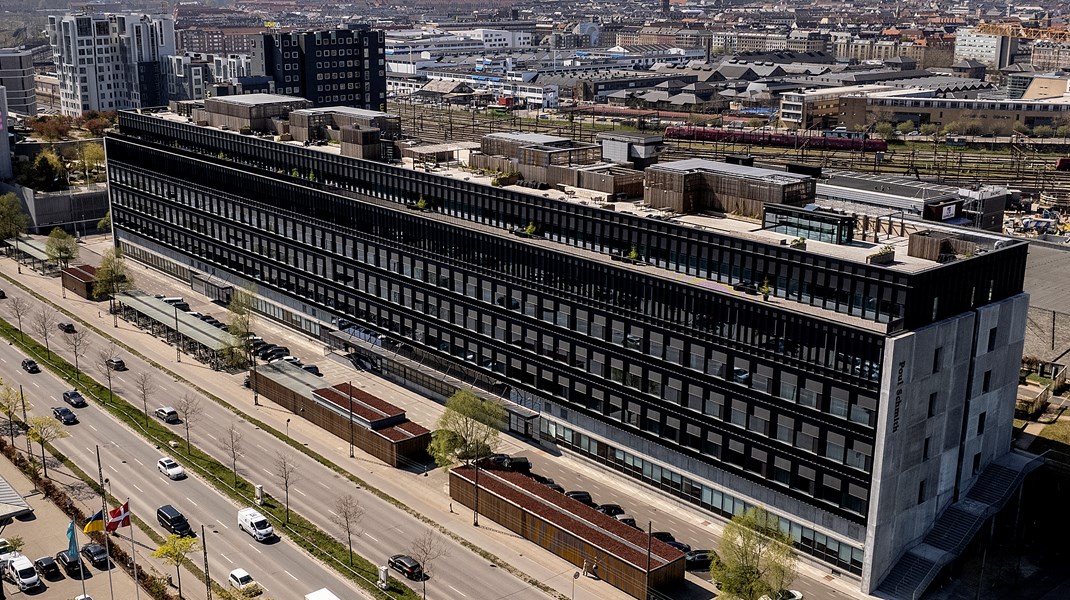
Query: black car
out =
(494, 461)
(312, 369)
(3, 294)
(30, 366)
(556, 487)
(115, 364)
(65, 327)
(65, 415)
(407, 566)
(95, 554)
(664, 536)
(582, 497)
(610, 510)
(518, 464)
(71, 566)
(699, 559)
(46, 567)
(74, 398)
(751, 289)
(682, 547)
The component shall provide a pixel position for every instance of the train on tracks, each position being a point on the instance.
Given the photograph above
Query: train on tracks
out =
(826, 140)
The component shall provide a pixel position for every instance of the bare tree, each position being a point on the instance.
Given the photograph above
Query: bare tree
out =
(21, 308)
(427, 549)
(286, 472)
(107, 367)
(10, 401)
(189, 409)
(43, 324)
(78, 342)
(232, 445)
(145, 387)
(348, 514)
(45, 430)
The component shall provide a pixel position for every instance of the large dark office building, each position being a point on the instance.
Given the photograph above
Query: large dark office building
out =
(336, 67)
(867, 401)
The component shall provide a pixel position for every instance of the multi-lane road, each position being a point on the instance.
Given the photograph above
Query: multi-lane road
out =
(129, 464)
(283, 569)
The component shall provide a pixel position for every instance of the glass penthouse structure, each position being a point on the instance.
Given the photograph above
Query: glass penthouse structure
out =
(814, 403)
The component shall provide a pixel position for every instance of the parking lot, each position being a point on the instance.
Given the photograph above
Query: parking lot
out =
(45, 533)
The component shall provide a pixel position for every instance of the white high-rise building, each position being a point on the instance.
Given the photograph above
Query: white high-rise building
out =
(112, 61)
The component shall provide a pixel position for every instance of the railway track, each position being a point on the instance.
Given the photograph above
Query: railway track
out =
(1024, 168)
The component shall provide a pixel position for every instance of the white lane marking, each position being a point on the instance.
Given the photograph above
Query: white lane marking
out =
(257, 549)
(227, 559)
(268, 471)
(54, 399)
(370, 537)
(323, 484)
(457, 590)
(140, 463)
(163, 389)
(211, 436)
(222, 523)
(91, 427)
(35, 384)
(191, 501)
(112, 467)
(300, 492)
(291, 575)
(332, 512)
(261, 447)
(137, 488)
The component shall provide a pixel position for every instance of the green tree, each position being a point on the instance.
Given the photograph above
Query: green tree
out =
(1043, 131)
(237, 353)
(104, 224)
(930, 130)
(756, 123)
(1063, 131)
(112, 278)
(61, 247)
(44, 431)
(756, 556)
(10, 404)
(173, 551)
(884, 129)
(12, 219)
(905, 127)
(952, 128)
(1022, 128)
(46, 173)
(467, 430)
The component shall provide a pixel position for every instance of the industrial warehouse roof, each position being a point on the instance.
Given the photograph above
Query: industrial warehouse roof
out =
(530, 138)
(699, 164)
(255, 99)
(345, 110)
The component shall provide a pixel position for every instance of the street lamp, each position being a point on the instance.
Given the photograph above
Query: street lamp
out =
(287, 429)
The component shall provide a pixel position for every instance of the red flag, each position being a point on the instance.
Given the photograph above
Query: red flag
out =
(120, 517)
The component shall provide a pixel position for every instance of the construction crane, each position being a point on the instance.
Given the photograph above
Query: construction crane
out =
(1016, 30)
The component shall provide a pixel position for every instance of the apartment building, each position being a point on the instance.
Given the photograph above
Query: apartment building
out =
(108, 62)
(995, 51)
(336, 67)
(863, 401)
(818, 109)
(16, 76)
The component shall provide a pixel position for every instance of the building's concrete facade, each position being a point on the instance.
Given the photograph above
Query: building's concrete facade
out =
(16, 75)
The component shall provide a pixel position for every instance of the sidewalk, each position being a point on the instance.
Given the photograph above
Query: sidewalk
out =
(45, 534)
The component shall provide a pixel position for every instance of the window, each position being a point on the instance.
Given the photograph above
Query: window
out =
(992, 338)
(986, 382)
(936, 359)
(932, 403)
(981, 423)
(921, 492)
(976, 463)
(925, 450)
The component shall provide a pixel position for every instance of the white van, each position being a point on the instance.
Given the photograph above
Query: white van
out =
(19, 570)
(252, 522)
(173, 300)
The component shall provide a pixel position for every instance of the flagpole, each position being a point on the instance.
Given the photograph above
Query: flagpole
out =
(77, 558)
(104, 515)
(133, 555)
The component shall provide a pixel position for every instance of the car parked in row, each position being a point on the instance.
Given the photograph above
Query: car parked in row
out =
(47, 567)
(610, 510)
(72, 566)
(700, 559)
(95, 554)
(582, 497)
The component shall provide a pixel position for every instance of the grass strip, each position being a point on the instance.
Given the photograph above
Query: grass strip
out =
(489, 556)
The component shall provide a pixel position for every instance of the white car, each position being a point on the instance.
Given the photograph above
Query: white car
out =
(240, 579)
(785, 595)
(169, 467)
